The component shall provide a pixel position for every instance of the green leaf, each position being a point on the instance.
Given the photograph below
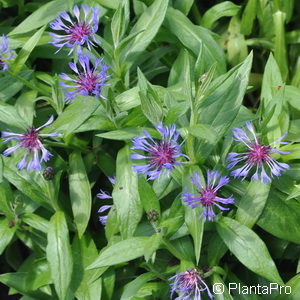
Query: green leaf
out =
(150, 102)
(120, 252)
(40, 17)
(248, 17)
(194, 37)
(149, 23)
(271, 80)
(9, 86)
(10, 117)
(125, 194)
(36, 222)
(252, 203)
(280, 52)
(131, 288)
(80, 192)
(87, 284)
(17, 281)
(6, 234)
(21, 180)
(291, 290)
(109, 4)
(224, 9)
(221, 107)
(274, 219)
(152, 245)
(148, 197)
(59, 254)
(6, 199)
(193, 220)
(25, 52)
(220, 286)
(122, 134)
(82, 108)
(183, 6)
(248, 248)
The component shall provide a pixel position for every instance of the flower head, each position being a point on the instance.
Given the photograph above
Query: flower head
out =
(31, 143)
(257, 156)
(207, 195)
(162, 155)
(105, 195)
(5, 53)
(78, 30)
(89, 79)
(189, 285)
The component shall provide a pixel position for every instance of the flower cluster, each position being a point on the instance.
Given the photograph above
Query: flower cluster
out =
(30, 142)
(76, 31)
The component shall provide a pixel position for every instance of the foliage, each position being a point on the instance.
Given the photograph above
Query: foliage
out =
(207, 68)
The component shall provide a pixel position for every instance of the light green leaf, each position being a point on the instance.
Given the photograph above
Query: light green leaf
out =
(193, 219)
(149, 23)
(148, 198)
(40, 17)
(80, 192)
(10, 117)
(26, 50)
(82, 108)
(125, 194)
(59, 254)
(274, 219)
(248, 248)
(6, 234)
(223, 9)
(221, 107)
(131, 288)
(194, 37)
(120, 252)
(252, 203)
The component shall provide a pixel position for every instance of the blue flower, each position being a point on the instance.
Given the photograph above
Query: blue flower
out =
(257, 156)
(207, 196)
(89, 80)
(105, 195)
(78, 32)
(189, 285)
(31, 143)
(5, 53)
(162, 155)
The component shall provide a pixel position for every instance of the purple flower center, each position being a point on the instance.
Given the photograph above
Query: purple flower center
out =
(207, 197)
(259, 154)
(30, 139)
(162, 154)
(78, 32)
(87, 81)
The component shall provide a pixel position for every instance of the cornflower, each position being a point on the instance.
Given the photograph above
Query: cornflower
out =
(207, 194)
(32, 145)
(105, 195)
(78, 32)
(162, 155)
(5, 53)
(89, 80)
(257, 156)
(189, 285)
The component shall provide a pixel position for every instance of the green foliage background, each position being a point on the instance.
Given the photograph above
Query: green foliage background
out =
(208, 67)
